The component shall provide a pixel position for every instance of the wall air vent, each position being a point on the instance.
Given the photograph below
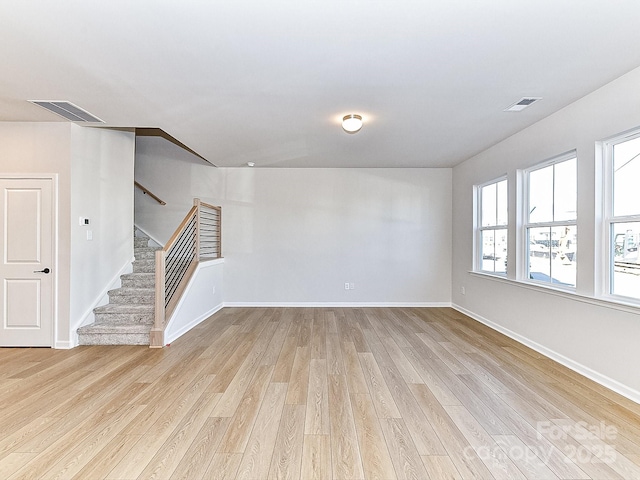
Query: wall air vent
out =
(67, 110)
(521, 104)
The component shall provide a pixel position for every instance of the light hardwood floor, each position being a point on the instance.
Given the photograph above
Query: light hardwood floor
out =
(307, 393)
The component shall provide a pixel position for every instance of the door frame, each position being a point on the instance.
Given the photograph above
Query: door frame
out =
(54, 242)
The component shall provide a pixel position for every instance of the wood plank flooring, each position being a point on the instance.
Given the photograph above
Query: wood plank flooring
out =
(312, 393)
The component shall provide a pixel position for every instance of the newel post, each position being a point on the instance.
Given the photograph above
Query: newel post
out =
(219, 232)
(156, 336)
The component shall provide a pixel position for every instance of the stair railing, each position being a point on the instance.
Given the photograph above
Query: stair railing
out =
(146, 191)
(199, 237)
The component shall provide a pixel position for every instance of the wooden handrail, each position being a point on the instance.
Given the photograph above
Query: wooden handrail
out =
(199, 235)
(213, 207)
(146, 191)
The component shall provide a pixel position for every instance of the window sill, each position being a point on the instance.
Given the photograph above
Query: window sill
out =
(608, 302)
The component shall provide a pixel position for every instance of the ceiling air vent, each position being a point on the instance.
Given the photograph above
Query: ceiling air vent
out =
(521, 104)
(67, 110)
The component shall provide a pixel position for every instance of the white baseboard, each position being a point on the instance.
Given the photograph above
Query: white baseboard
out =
(88, 317)
(65, 345)
(336, 304)
(193, 324)
(583, 370)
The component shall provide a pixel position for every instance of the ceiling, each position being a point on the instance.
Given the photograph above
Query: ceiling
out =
(268, 82)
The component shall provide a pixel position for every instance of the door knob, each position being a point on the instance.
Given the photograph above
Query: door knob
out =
(46, 270)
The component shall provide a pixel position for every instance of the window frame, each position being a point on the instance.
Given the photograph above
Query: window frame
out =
(523, 272)
(479, 228)
(609, 219)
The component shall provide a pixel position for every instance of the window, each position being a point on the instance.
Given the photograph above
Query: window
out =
(550, 222)
(492, 227)
(623, 215)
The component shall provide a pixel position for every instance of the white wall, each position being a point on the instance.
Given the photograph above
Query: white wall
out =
(595, 338)
(45, 148)
(294, 236)
(102, 163)
(202, 298)
(94, 168)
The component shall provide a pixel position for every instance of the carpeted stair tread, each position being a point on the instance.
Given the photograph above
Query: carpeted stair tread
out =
(144, 266)
(106, 334)
(151, 276)
(138, 280)
(116, 328)
(124, 308)
(145, 253)
(132, 295)
(132, 291)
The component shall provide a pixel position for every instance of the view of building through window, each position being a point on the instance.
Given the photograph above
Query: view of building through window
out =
(551, 227)
(550, 221)
(493, 227)
(625, 232)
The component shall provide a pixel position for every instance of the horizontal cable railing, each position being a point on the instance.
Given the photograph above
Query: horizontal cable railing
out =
(210, 231)
(178, 259)
(199, 236)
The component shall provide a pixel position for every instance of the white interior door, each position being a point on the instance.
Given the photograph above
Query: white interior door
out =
(26, 293)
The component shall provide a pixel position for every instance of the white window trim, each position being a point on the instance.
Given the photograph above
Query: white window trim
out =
(522, 265)
(478, 228)
(608, 219)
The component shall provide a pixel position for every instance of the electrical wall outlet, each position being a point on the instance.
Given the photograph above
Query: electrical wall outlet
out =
(463, 290)
(352, 286)
(346, 285)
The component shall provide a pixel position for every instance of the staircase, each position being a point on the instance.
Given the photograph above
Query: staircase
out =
(128, 317)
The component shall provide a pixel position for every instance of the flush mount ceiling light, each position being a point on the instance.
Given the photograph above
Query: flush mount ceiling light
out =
(352, 123)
